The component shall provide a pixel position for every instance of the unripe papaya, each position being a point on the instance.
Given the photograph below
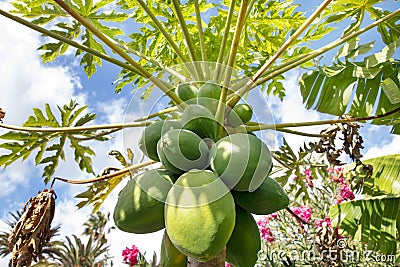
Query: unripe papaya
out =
(140, 205)
(181, 150)
(240, 114)
(242, 161)
(199, 214)
(268, 198)
(208, 96)
(200, 120)
(152, 133)
(245, 242)
(186, 91)
(170, 256)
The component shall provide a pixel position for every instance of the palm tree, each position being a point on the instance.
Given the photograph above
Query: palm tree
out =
(95, 226)
(74, 253)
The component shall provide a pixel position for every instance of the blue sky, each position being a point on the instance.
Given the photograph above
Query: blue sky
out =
(26, 83)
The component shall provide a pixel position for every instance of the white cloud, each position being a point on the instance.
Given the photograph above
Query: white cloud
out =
(26, 83)
(291, 109)
(389, 146)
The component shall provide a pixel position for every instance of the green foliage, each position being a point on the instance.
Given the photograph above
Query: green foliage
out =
(359, 89)
(384, 178)
(291, 163)
(97, 12)
(98, 191)
(357, 11)
(371, 220)
(50, 145)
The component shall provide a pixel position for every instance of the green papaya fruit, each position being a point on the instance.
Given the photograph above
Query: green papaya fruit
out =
(268, 198)
(181, 150)
(245, 242)
(152, 133)
(241, 160)
(140, 205)
(170, 256)
(186, 91)
(240, 114)
(200, 120)
(199, 214)
(208, 96)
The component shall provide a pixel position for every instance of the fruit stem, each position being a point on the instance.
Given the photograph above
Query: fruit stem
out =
(167, 37)
(200, 30)
(221, 53)
(301, 133)
(220, 114)
(283, 48)
(279, 126)
(158, 113)
(188, 40)
(73, 129)
(115, 47)
(268, 75)
(120, 172)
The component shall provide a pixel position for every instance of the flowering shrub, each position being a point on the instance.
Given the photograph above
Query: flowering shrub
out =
(304, 237)
(303, 212)
(130, 255)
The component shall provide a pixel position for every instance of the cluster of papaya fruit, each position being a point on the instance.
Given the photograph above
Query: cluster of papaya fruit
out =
(208, 187)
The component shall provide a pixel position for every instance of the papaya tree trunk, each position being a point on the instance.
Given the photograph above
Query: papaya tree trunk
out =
(218, 261)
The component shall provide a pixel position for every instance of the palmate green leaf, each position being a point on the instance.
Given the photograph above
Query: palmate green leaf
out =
(360, 89)
(22, 146)
(371, 220)
(53, 50)
(82, 156)
(353, 10)
(49, 147)
(42, 12)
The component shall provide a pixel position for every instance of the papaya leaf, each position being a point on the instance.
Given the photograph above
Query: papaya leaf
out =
(82, 156)
(49, 146)
(99, 13)
(51, 161)
(371, 220)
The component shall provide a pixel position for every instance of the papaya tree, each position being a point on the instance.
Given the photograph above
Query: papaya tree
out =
(208, 167)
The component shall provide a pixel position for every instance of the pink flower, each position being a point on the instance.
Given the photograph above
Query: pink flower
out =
(272, 216)
(307, 172)
(265, 231)
(303, 212)
(130, 255)
(344, 192)
(228, 265)
(308, 177)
